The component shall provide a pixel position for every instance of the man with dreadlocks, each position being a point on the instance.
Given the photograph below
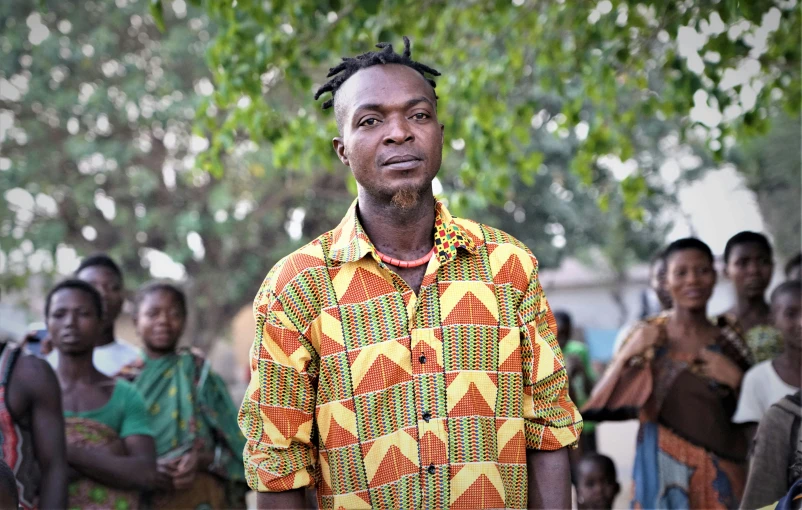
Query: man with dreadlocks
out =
(407, 358)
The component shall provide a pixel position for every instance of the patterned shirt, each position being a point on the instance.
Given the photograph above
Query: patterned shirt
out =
(382, 398)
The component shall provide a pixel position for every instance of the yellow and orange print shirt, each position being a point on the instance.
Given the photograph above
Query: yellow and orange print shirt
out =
(382, 398)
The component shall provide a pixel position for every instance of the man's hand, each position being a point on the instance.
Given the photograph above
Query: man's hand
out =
(291, 500)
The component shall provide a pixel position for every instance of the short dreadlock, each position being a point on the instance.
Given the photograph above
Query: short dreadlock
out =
(350, 65)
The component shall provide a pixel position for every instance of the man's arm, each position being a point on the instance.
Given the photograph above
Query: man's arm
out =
(551, 420)
(41, 388)
(279, 459)
(549, 477)
(135, 471)
(291, 500)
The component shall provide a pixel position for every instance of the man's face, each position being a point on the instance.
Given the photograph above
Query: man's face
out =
(391, 137)
(110, 287)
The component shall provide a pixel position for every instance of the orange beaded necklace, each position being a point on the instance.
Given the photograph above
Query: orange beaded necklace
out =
(403, 263)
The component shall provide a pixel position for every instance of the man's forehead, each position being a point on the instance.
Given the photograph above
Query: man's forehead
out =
(383, 84)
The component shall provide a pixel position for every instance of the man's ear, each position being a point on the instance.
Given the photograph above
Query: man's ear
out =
(339, 148)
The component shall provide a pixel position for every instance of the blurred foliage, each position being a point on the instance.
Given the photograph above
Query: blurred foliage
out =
(568, 127)
(772, 169)
(604, 66)
(100, 157)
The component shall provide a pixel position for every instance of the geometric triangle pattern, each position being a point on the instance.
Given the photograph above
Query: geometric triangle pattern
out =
(384, 398)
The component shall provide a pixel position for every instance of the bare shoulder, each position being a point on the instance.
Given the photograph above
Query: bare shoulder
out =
(34, 375)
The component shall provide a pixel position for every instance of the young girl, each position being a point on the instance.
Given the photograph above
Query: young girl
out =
(195, 422)
(688, 453)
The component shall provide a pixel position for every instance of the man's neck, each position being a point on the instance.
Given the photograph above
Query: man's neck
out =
(402, 233)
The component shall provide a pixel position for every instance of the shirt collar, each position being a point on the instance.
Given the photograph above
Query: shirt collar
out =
(350, 242)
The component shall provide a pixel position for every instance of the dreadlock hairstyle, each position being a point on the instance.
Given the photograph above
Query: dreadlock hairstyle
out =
(350, 65)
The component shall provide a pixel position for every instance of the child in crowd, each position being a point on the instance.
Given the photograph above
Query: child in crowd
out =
(777, 456)
(597, 482)
(771, 380)
(9, 497)
(198, 441)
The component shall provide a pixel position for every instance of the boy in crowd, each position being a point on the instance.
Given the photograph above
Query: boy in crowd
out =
(771, 380)
(597, 482)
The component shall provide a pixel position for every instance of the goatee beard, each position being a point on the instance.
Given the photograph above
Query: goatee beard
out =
(406, 198)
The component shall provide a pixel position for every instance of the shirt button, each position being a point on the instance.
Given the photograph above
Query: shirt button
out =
(426, 416)
(422, 359)
(431, 469)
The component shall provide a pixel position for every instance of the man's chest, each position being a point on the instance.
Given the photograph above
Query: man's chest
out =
(383, 348)
(416, 378)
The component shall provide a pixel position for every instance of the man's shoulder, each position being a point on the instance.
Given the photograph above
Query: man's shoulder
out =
(306, 261)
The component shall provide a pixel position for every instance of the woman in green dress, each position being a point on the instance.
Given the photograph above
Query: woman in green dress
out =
(110, 446)
(198, 442)
(749, 264)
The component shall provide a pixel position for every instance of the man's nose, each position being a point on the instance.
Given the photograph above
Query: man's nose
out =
(398, 131)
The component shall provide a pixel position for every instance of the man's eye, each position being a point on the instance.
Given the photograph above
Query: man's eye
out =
(369, 122)
(421, 116)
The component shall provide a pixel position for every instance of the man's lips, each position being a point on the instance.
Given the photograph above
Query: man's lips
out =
(402, 162)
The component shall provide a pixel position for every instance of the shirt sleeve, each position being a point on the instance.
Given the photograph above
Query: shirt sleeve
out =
(278, 409)
(551, 420)
(748, 410)
(136, 420)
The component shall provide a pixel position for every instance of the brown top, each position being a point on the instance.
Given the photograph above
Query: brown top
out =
(700, 411)
(697, 408)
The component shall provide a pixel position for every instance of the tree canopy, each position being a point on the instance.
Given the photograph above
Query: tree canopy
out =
(597, 68)
(200, 140)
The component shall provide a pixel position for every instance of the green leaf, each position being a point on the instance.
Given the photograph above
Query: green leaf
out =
(156, 9)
